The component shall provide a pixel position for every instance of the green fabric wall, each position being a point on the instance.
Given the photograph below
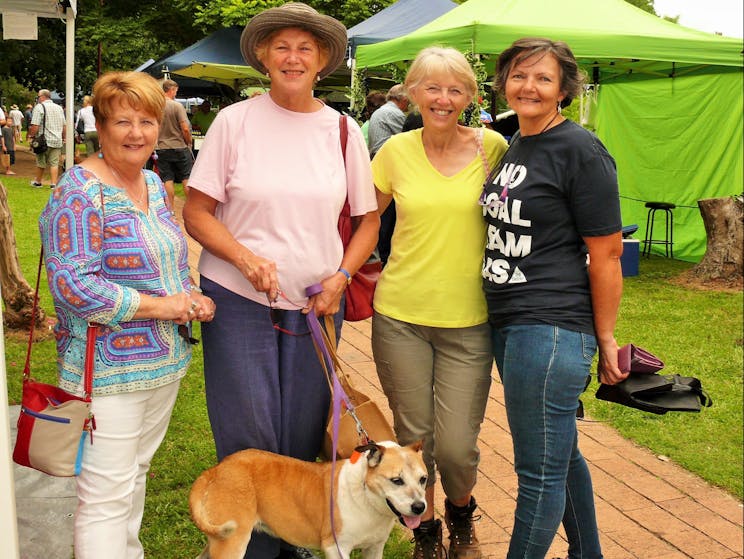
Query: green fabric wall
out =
(675, 140)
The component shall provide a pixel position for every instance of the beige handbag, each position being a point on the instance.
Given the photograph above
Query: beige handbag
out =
(361, 424)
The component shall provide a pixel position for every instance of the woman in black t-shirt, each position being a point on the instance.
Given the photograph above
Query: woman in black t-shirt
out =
(553, 199)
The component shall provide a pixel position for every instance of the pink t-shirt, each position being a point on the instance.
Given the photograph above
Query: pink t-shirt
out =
(278, 177)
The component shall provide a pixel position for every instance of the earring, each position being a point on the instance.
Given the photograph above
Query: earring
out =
(560, 109)
(100, 154)
(267, 74)
(317, 78)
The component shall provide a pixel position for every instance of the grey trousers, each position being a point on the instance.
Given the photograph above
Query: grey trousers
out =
(437, 382)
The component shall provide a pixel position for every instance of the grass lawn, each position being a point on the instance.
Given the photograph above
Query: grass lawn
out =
(697, 333)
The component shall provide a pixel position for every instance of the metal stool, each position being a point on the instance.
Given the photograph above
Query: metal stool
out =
(668, 240)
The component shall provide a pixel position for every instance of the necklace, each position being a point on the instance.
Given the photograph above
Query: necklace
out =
(550, 122)
(139, 199)
(510, 180)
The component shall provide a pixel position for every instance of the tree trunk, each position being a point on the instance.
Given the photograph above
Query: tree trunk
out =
(724, 227)
(17, 294)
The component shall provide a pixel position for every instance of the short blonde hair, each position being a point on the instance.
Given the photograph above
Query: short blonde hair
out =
(139, 90)
(262, 47)
(438, 60)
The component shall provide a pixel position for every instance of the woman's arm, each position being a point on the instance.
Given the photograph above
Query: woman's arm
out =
(202, 225)
(73, 269)
(606, 284)
(383, 201)
(363, 241)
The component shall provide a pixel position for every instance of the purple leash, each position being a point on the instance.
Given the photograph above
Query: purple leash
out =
(339, 395)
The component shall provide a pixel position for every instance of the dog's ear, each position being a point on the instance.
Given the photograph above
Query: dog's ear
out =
(417, 446)
(375, 453)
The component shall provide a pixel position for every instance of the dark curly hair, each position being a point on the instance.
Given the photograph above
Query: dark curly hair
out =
(572, 77)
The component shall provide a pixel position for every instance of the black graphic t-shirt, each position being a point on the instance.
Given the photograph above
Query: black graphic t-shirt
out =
(562, 186)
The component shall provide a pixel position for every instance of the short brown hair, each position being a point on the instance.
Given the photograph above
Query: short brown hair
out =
(373, 101)
(572, 78)
(141, 91)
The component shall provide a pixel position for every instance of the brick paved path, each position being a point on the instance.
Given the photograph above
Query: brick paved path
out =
(647, 508)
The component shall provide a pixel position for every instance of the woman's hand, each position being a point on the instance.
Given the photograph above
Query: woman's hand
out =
(606, 281)
(202, 307)
(328, 301)
(261, 272)
(608, 371)
(171, 307)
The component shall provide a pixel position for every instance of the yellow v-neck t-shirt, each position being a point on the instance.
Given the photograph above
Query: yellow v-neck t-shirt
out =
(433, 274)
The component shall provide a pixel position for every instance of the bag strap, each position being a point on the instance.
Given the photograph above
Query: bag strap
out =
(343, 126)
(91, 334)
(693, 385)
(343, 134)
(482, 152)
(43, 120)
(27, 365)
(90, 342)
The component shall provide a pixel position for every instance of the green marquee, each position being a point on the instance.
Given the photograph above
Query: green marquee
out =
(669, 107)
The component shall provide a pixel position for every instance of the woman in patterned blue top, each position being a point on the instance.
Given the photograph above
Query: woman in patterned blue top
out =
(115, 256)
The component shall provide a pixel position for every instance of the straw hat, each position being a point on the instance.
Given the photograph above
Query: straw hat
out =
(14, 107)
(328, 30)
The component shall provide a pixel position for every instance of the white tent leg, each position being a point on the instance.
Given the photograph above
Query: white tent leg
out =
(9, 546)
(70, 93)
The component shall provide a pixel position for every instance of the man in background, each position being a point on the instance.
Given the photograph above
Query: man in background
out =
(174, 143)
(203, 118)
(388, 119)
(27, 117)
(384, 122)
(47, 118)
(17, 117)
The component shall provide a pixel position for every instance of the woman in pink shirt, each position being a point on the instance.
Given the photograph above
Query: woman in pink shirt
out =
(265, 196)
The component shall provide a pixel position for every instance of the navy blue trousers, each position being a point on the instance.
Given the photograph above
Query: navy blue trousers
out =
(265, 389)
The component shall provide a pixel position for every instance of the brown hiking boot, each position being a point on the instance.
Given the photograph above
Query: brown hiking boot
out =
(463, 542)
(428, 539)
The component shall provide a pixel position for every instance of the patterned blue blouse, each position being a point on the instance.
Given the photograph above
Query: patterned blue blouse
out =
(96, 275)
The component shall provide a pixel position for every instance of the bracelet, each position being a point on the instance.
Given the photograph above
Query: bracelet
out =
(347, 274)
(196, 288)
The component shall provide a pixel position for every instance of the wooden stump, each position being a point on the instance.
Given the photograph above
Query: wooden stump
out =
(724, 227)
(16, 293)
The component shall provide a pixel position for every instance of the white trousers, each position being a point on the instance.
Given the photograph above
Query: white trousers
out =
(111, 485)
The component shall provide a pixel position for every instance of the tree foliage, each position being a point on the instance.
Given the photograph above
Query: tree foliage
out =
(223, 13)
(645, 5)
(129, 33)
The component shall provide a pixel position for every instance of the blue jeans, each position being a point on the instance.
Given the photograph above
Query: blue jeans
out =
(544, 371)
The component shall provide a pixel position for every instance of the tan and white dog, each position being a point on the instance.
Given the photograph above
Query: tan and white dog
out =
(257, 490)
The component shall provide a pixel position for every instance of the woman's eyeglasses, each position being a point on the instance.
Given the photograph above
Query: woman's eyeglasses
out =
(184, 330)
(491, 202)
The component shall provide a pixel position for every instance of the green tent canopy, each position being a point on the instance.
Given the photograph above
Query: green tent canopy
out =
(670, 102)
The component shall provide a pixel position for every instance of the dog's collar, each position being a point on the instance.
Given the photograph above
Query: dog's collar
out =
(395, 512)
(409, 522)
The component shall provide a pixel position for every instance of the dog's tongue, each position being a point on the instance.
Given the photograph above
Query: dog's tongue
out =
(412, 521)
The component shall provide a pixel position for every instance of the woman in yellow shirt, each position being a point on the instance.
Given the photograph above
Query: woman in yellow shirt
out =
(430, 335)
